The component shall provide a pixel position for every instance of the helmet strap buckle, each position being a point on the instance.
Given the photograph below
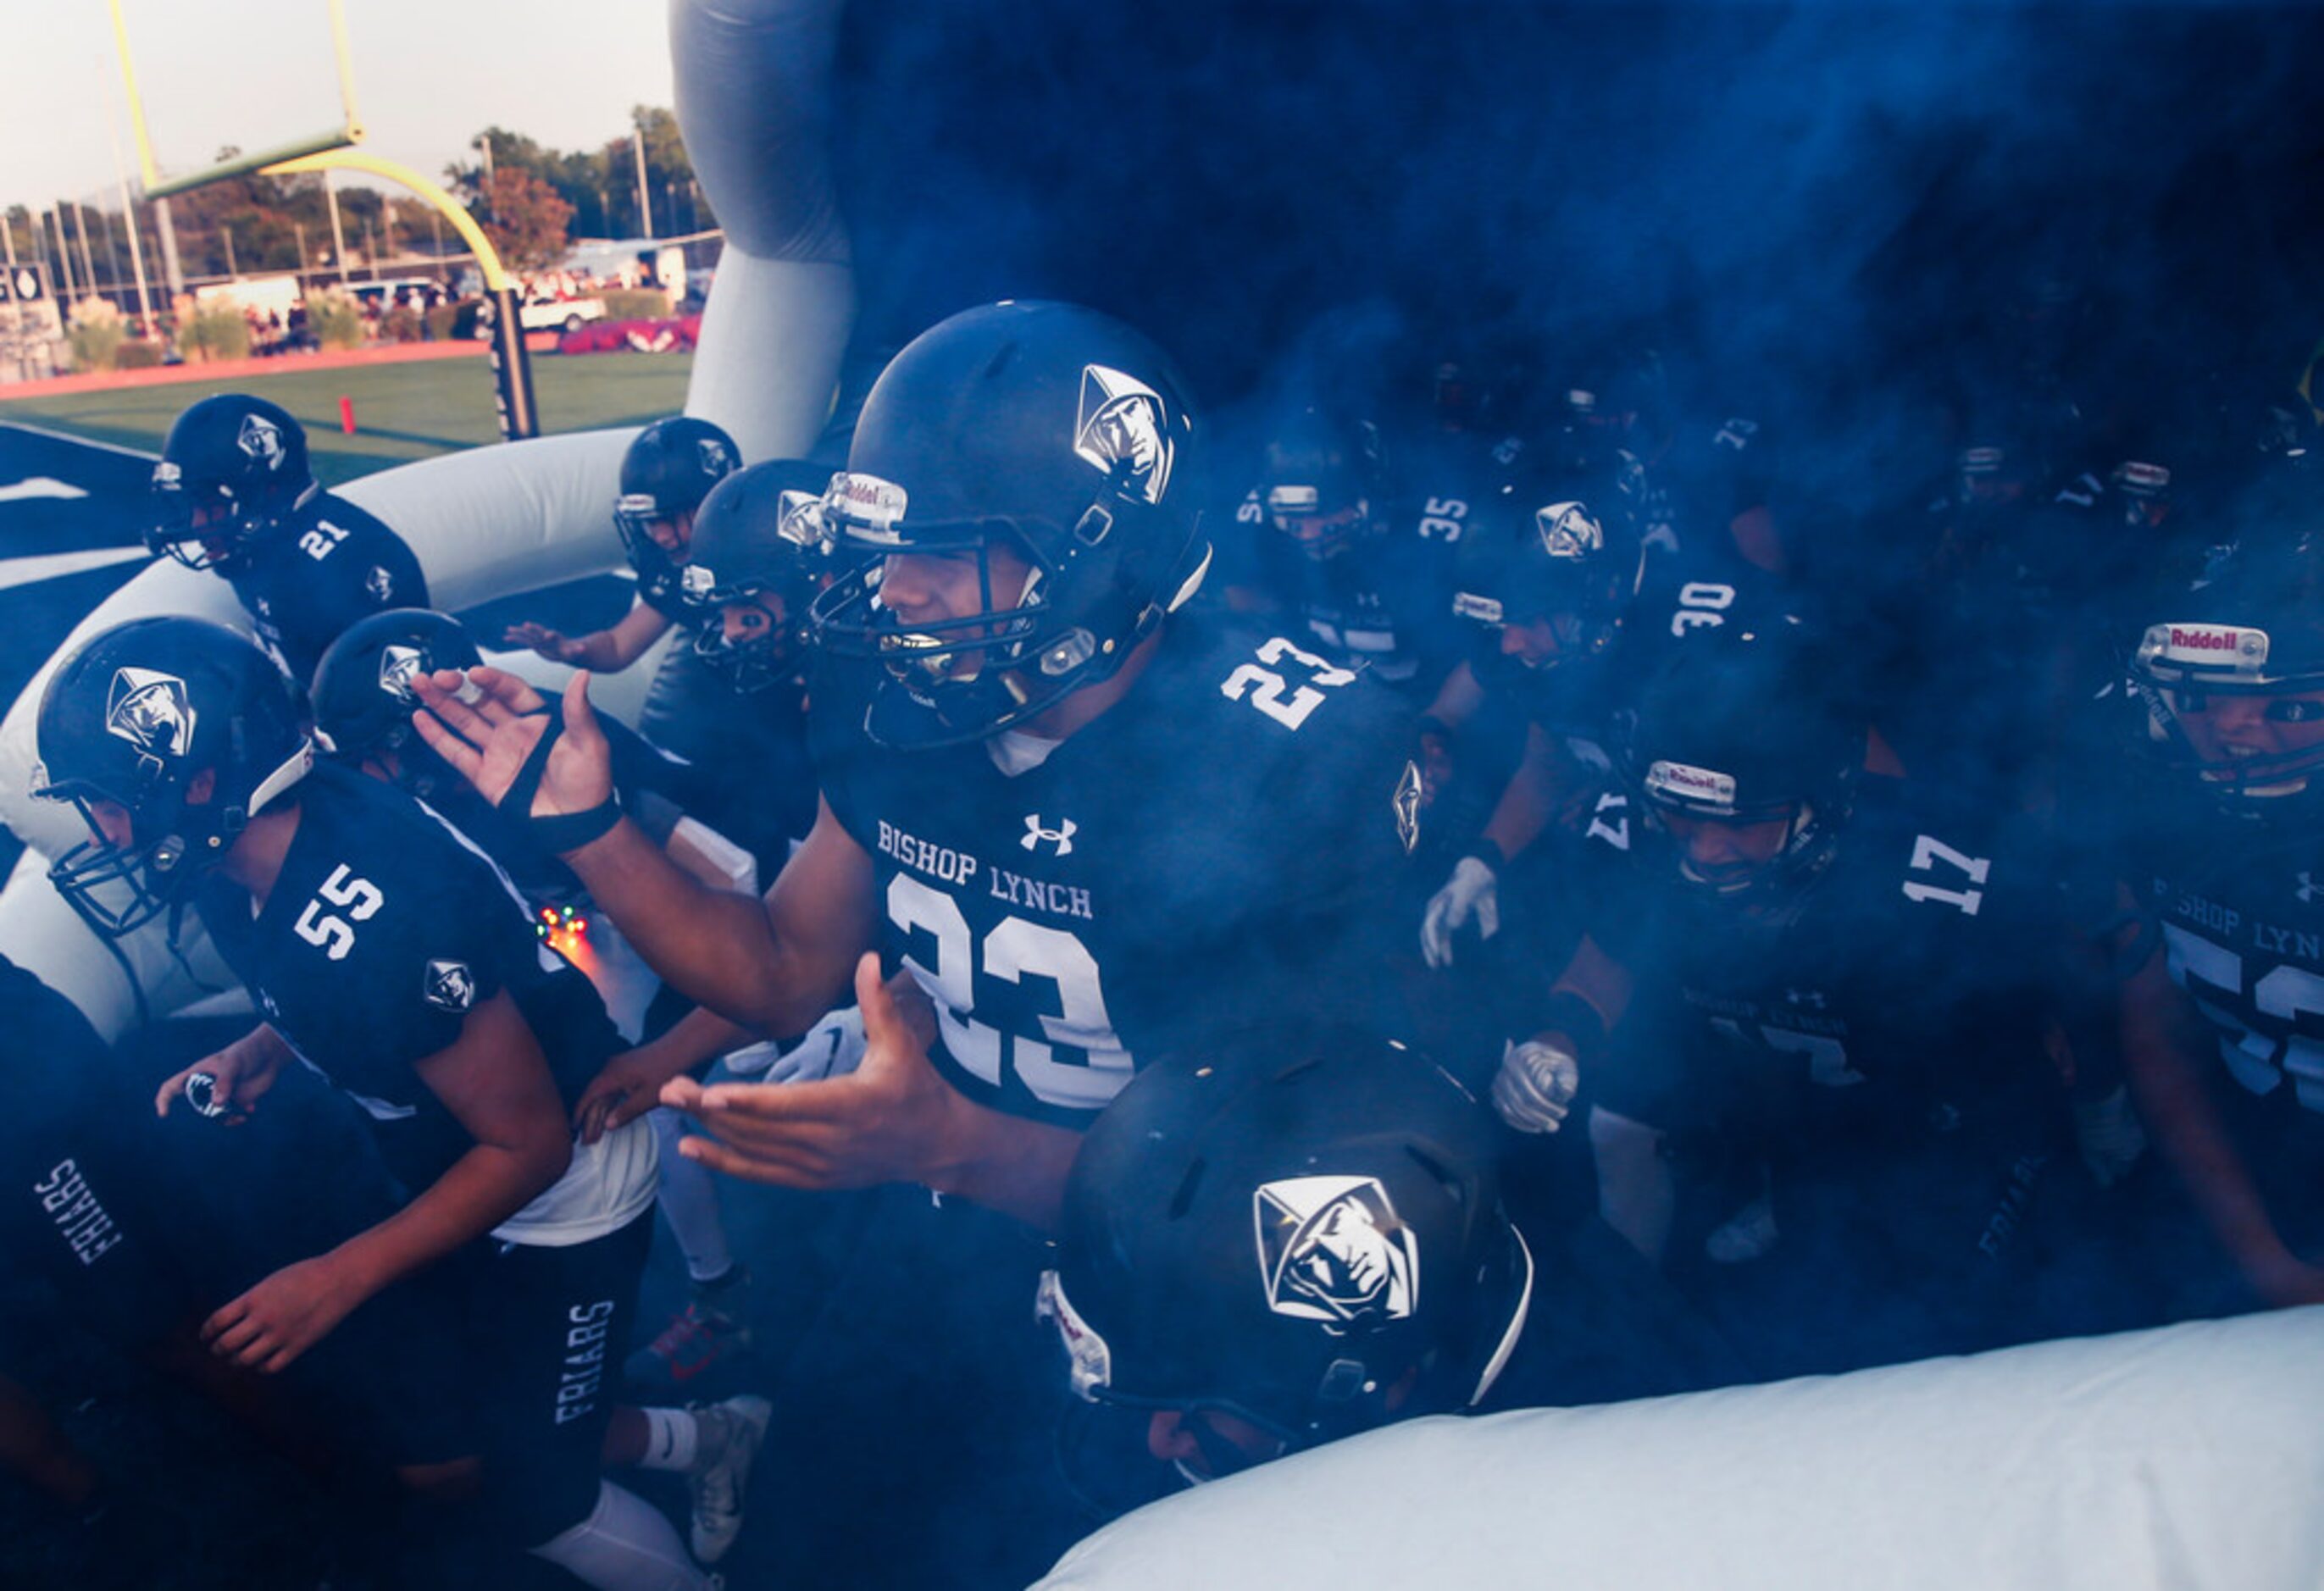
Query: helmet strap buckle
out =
(1094, 526)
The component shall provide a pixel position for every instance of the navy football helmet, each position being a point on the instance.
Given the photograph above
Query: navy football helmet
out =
(1314, 1245)
(1320, 482)
(233, 469)
(363, 695)
(135, 716)
(1742, 729)
(758, 539)
(1057, 430)
(1570, 564)
(2253, 629)
(669, 468)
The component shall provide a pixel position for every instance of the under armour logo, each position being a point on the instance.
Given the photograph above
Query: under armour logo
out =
(2307, 890)
(1804, 996)
(1062, 836)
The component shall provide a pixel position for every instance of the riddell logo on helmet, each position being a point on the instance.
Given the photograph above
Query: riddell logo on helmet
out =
(150, 710)
(1122, 425)
(867, 502)
(2214, 644)
(1680, 782)
(1332, 1249)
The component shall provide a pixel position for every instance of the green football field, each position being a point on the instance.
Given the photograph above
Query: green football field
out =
(403, 412)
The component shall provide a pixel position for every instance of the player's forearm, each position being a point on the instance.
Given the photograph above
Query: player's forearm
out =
(1598, 981)
(1009, 1165)
(599, 652)
(2160, 1052)
(713, 946)
(478, 1191)
(1523, 808)
(697, 1039)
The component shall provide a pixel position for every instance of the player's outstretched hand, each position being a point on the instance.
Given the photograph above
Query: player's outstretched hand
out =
(239, 1076)
(893, 1121)
(283, 1317)
(552, 644)
(487, 722)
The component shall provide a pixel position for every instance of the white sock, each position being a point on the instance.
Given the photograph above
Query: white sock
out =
(673, 1436)
(624, 1545)
(689, 1202)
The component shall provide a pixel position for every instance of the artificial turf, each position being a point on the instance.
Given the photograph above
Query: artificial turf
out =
(403, 412)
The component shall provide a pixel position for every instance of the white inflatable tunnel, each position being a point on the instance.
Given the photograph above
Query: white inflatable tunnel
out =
(754, 102)
(2190, 1458)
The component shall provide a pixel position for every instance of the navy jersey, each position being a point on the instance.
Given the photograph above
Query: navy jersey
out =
(1386, 600)
(1214, 848)
(1707, 477)
(327, 566)
(84, 1167)
(1899, 993)
(385, 927)
(2242, 920)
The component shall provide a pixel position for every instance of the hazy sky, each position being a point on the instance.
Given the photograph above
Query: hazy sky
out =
(429, 74)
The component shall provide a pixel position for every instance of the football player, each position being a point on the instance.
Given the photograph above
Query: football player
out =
(756, 564)
(2216, 924)
(1543, 604)
(668, 468)
(1811, 1017)
(1262, 1253)
(1039, 797)
(390, 955)
(1054, 796)
(1325, 539)
(234, 493)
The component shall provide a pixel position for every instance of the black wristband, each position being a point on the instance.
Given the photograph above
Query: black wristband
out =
(1488, 852)
(568, 832)
(1430, 724)
(1569, 1013)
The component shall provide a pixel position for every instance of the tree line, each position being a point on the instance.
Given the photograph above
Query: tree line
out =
(531, 200)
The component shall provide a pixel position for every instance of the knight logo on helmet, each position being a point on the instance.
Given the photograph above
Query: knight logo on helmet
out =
(261, 439)
(398, 667)
(1332, 1250)
(1567, 531)
(150, 709)
(1122, 423)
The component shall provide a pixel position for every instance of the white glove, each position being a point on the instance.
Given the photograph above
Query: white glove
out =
(833, 1047)
(1470, 891)
(2110, 1136)
(1536, 1085)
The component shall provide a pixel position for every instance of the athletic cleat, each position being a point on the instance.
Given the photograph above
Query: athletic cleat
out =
(699, 1339)
(731, 1434)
